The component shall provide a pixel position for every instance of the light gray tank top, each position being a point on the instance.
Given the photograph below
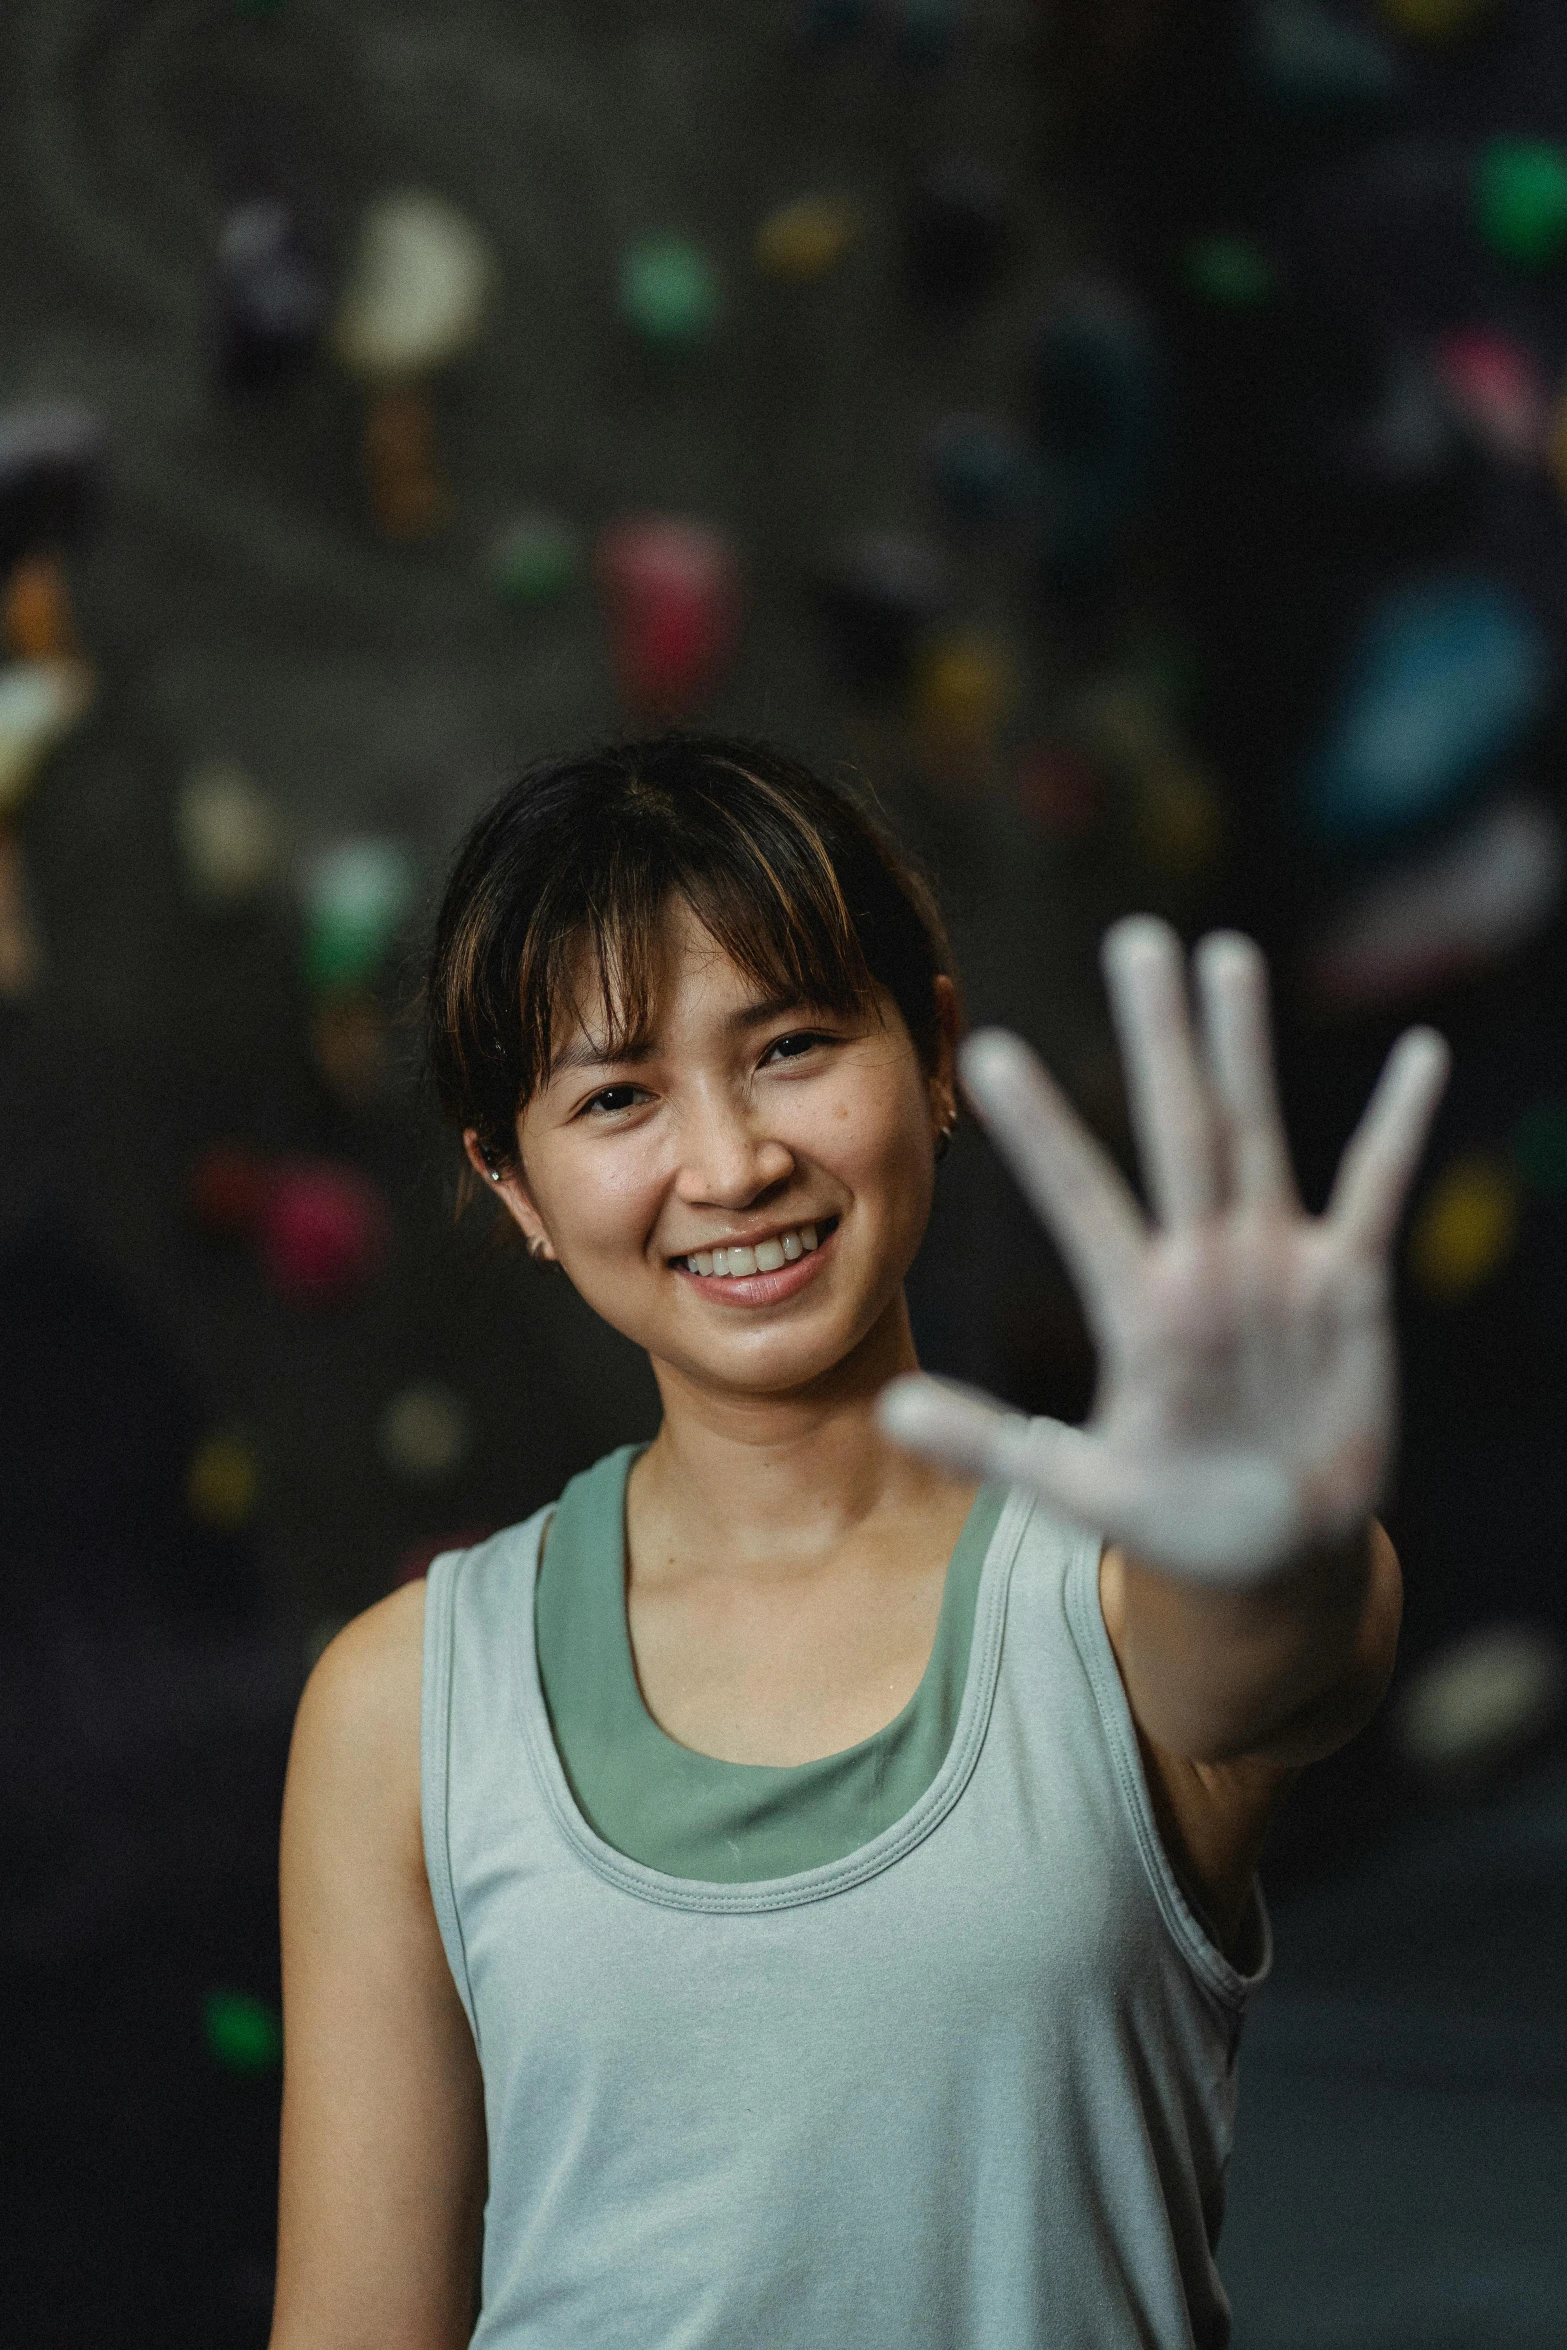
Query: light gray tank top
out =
(970, 2088)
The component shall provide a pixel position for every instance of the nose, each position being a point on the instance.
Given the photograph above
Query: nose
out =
(728, 1159)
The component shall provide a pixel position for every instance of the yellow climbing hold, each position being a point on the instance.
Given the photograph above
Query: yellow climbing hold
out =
(1436, 20)
(802, 241)
(222, 1483)
(1466, 1226)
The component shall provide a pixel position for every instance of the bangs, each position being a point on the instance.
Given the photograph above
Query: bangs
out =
(756, 875)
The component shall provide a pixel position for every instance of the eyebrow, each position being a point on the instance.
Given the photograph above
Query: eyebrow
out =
(593, 1053)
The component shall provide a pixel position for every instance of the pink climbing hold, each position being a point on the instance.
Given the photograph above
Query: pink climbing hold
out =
(324, 1230)
(1496, 386)
(672, 598)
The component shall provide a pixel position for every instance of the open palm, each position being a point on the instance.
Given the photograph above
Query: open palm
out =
(1247, 1393)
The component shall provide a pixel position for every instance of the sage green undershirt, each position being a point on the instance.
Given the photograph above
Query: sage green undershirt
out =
(688, 1814)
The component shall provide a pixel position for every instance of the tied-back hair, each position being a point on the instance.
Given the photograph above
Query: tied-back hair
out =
(793, 878)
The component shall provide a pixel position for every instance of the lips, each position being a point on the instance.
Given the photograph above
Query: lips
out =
(777, 1272)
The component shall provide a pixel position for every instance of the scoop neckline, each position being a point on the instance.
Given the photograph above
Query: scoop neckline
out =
(626, 1457)
(829, 1877)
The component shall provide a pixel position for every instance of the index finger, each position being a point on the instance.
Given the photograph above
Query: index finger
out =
(1070, 1182)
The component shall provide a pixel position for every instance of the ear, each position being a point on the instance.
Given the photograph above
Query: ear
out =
(944, 1078)
(506, 1186)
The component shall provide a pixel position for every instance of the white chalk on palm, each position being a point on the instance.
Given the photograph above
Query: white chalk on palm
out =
(419, 291)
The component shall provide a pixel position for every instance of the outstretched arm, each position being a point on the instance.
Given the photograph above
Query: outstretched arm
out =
(1245, 1418)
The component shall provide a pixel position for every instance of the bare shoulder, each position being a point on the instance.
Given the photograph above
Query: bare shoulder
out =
(356, 1735)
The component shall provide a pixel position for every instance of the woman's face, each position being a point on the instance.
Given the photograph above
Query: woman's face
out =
(801, 1139)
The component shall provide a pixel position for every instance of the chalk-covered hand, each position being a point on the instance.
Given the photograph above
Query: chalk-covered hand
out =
(1246, 1405)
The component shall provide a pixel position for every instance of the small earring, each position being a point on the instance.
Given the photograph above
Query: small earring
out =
(944, 1136)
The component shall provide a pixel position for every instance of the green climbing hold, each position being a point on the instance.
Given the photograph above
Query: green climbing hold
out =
(1521, 200)
(669, 292)
(536, 559)
(1232, 272)
(243, 2032)
(1540, 1148)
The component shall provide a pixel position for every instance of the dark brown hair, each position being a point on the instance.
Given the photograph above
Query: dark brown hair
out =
(795, 880)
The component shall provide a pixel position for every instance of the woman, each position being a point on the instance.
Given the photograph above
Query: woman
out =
(794, 1891)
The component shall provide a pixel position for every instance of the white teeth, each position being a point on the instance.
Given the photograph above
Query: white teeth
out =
(768, 1256)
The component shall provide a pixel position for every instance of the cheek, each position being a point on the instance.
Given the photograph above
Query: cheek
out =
(595, 1196)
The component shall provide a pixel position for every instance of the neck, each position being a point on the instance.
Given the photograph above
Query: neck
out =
(759, 1475)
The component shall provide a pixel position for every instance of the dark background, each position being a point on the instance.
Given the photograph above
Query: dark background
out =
(1402, 2152)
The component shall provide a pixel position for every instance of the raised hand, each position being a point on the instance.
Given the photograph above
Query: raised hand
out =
(1245, 1416)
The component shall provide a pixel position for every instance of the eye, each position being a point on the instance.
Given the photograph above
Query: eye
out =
(612, 1098)
(798, 1041)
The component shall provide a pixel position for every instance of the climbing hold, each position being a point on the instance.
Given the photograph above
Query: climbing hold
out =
(349, 1043)
(1231, 272)
(1465, 1227)
(965, 687)
(1124, 720)
(1059, 789)
(1099, 397)
(222, 1483)
(1483, 1698)
(1460, 907)
(672, 598)
(41, 702)
(1315, 65)
(418, 293)
(957, 233)
(536, 559)
(424, 1434)
(356, 894)
(52, 477)
(269, 296)
(1539, 1148)
(982, 472)
(1495, 385)
(669, 292)
(1445, 678)
(242, 2032)
(35, 617)
(802, 241)
(1437, 20)
(409, 496)
(324, 1231)
(1520, 197)
(229, 832)
(21, 949)
(878, 593)
(227, 1190)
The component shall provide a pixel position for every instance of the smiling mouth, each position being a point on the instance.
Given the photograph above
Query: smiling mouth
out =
(767, 1256)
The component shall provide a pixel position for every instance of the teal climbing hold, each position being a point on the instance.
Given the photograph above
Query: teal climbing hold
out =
(1445, 679)
(669, 292)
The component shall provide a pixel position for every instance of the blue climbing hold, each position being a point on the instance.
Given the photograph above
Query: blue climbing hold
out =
(1446, 677)
(1317, 66)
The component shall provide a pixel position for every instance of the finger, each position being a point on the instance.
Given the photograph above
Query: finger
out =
(1070, 1182)
(1171, 1114)
(1232, 987)
(965, 1431)
(1377, 1167)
